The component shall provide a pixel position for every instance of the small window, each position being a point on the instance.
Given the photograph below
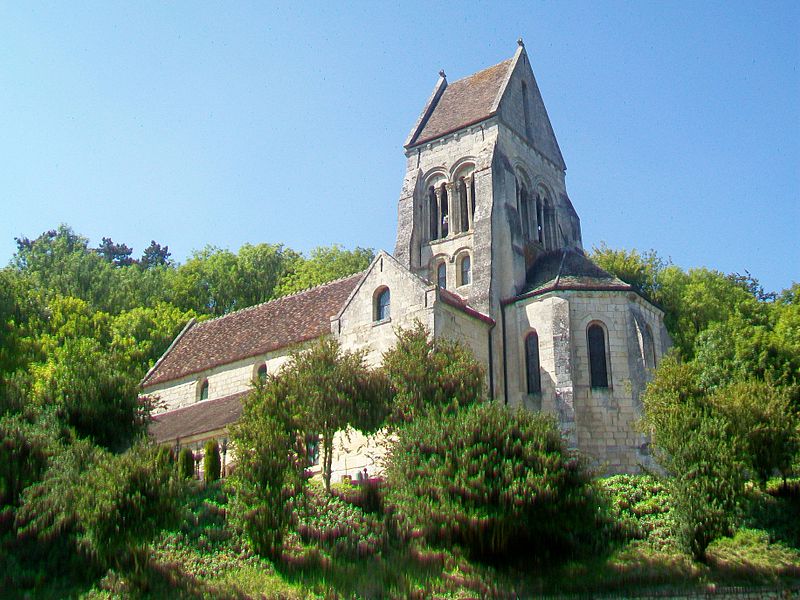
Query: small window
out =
(261, 375)
(597, 356)
(382, 301)
(445, 210)
(649, 349)
(532, 363)
(433, 213)
(204, 390)
(441, 275)
(466, 270)
(463, 204)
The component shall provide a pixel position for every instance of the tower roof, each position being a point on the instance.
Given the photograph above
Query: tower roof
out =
(462, 103)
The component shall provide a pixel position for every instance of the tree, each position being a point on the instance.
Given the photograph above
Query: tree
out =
(211, 461)
(325, 264)
(642, 271)
(497, 481)
(424, 372)
(697, 446)
(186, 463)
(269, 444)
(155, 255)
(118, 255)
(331, 388)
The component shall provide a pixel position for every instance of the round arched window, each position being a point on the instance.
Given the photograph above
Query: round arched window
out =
(382, 303)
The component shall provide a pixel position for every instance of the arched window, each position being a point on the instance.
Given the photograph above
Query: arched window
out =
(261, 374)
(472, 198)
(465, 270)
(522, 204)
(539, 219)
(532, 363)
(382, 299)
(441, 275)
(444, 211)
(203, 394)
(433, 214)
(463, 205)
(598, 368)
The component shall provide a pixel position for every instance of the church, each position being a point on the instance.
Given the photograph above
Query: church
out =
(488, 252)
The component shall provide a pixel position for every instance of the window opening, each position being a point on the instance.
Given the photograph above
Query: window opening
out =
(441, 275)
(466, 270)
(433, 210)
(597, 356)
(382, 305)
(204, 390)
(462, 197)
(262, 373)
(445, 216)
(532, 363)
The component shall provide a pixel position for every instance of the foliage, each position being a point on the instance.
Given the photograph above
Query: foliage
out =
(325, 264)
(698, 447)
(639, 270)
(269, 444)
(338, 526)
(211, 461)
(762, 419)
(494, 480)
(332, 389)
(186, 463)
(426, 373)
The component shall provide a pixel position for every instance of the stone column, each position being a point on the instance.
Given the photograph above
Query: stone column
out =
(438, 193)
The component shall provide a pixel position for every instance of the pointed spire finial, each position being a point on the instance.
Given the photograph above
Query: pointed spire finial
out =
(442, 75)
(520, 42)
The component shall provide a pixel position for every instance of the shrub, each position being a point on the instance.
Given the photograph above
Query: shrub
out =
(496, 481)
(186, 464)
(270, 452)
(424, 373)
(165, 455)
(211, 461)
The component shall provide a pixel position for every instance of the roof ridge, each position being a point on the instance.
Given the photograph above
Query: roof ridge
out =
(293, 295)
(476, 73)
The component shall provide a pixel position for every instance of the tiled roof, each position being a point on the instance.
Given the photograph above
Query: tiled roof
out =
(569, 269)
(464, 102)
(460, 303)
(253, 331)
(208, 415)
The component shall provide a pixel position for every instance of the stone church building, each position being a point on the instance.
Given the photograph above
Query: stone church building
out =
(488, 252)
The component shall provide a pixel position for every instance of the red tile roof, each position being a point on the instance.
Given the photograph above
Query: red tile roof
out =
(460, 303)
(253, 331)
(464, 102)
(208, 415)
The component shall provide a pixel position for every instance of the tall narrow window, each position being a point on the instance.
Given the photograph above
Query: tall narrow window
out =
(472, 198)
(262, 373)
(382, 301)
(597, 356)
(462, 203)
(433, 214)
(539, 219)
(532, 363)
(445, 215)
(203, 390)
(466, 270)
(649, 349)
(441, 275)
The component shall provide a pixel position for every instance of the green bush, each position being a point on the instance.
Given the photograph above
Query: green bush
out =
(186, 464)
(211, 461)
(165, 455)
(494, 480)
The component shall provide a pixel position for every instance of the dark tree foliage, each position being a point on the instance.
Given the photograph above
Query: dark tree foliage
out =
(155, 255)
(186, 463)
(212, 464)
(118, 255)
(496, 481)
(424, 373)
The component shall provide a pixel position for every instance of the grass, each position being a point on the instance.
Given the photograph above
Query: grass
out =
(339, 550)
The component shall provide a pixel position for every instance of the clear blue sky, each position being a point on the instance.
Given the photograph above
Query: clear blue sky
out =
(200, 123)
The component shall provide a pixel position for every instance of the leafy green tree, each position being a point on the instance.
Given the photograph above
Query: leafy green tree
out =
(698, 447)
(641, 270)
(211, 461)
(331, 388)
(768, 430)
(497, 481)
(186, 463)
(424, 372)
(259, 269)
(269, 444)
(323, 265)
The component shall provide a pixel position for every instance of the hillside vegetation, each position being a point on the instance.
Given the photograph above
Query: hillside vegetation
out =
(479, 500)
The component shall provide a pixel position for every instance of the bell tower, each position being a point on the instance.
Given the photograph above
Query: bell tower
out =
(484, 193)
